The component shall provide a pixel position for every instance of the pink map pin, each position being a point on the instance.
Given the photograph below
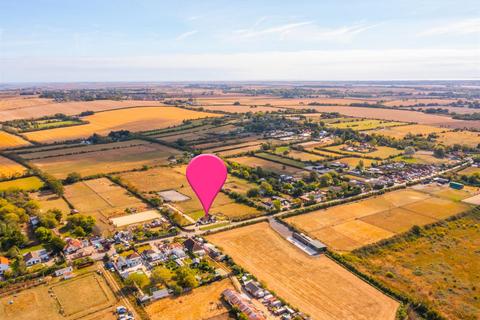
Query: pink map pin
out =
(206, 174)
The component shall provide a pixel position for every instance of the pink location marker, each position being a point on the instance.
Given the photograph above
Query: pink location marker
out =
(206, 174)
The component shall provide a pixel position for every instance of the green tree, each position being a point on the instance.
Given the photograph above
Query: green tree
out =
(186, 277)
(86, 222)
(409, 151)
(439, 152)
(267, 188)
(56, 244)
(43, 234)
(253, 192)
(161, 274)
(140, 279)
(277, 205)
(73, 177)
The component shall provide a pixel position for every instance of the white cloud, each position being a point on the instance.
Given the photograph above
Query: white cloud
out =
(386, 64)
(187, 34)
(303, 31)
(467, 26)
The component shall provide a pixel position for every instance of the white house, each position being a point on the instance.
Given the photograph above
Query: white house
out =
(129, 261)
(35, 257)
(4, 265)
(72, 245)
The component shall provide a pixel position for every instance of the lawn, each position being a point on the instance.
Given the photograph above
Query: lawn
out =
(288, 152)
(381, 152)
(280, 159)
(440, 267)
(365, 124)
(275, 167)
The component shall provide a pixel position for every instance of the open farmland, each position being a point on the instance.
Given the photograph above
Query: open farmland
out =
(84, 297)
(9, 169)
(280, 159)
(34, 108)
(27, 184)
(133, 119)
(298, 155)
(8, 140)
(353, 225)
(381, 152)
(468, 138)
(48, 200)
(238, 109)
(423, 157)
(401, 131)
(200, 304)
(275, 167)
(102, 199)
(439, 267)
(315, 285)
(280, 102)
(398, 115)
(365, 124)
(352, 162)
(167, 178)
(109, 158)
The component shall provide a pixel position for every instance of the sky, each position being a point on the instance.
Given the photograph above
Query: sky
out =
(215, 40)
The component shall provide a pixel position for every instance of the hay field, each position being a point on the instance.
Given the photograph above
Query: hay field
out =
(365, 124)
(238, 109)
(84, 297)
(298, 155)
(102, 199)
(440, 267)
(133, 119)
(167, 178)
(8, 140)
(268, 100)
(401, 131)
(27, 184)
(316, 285)
(381, 152)
(277, 168)
(353, 225)
(9, 168)
(48, 200)
(396, 115)
(108, 161)
(469, 138)
(423, 158)
(352, 162)
(35, 108)
(412, 102)
(199, 304)
(469, 171)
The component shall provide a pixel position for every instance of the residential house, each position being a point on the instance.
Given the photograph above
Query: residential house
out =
(63, 271)
(254, 289)
(72, 245)
(194, 247)
(35, 257)
(128, 261)
(4, 265)
(243, 304)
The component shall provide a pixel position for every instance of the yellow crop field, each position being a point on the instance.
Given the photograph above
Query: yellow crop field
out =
(353, 225)
(468, 138)
(9, 168)
(28, 184)
(316, 285)
(352, 162)
(365, 124)
(400, 132)
(133, 119)
(381, 152)
(8, 140)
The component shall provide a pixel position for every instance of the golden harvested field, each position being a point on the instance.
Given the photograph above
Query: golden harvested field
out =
(352, 162)
(298, 155)
(316, 285)
(48, 200)
(401, 131)
(381, 152)
(8, 140)
(133, 119)
(470, 170)
(278, 102)
(108, 161)
(439, 268)
(34, 108)
(398, 115)
(27, 184)
(268, 165)
(238, 109)
(235, 151)
(412, 102)
(9, 168)
(469, 138)
(353, 225)
(84, 297)
(102, 199)
(166, 178)
(200, 304)
(424, 158)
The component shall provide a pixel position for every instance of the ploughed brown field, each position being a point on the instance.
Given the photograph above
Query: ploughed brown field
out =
(316, 285)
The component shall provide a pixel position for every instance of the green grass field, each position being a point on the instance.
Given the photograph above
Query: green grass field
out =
(365, 124)
(27, 184)
(275, 158)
